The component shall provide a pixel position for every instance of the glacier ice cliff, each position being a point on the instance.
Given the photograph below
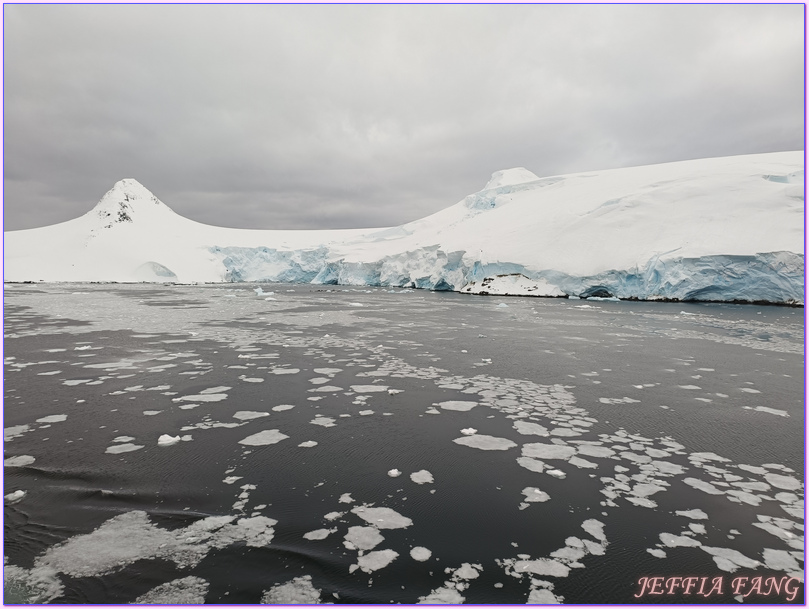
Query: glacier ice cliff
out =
(722, 229)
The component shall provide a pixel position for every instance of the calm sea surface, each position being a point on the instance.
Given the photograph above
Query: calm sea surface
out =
(353, 445)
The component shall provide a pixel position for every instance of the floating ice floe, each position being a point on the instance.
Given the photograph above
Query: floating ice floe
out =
(469, 431)
(394, 473)
(15, 497)
(9, 433)
(282, 407)
(186, 591)
(308, 444)
(202, 397)
(695, 514)
(298, 591)
(534, 495)
(247, 415)
(702, 485)
(484, 442)
(369, 388)
(787, 483)
(538, 450)
(362, 538)
(318, 534)
(151, 413)
(420, 554)
(624, 400)
(530, 429)
(54, 418)
(776, 411)
(458, 405)
(346, 498)
(130, 537)
(422, 477)
(19, 461)
(373, 561)
(123, 448)
(285, 370)
(264, 438)
(730, 560)
(365, 413)
(167, 440)
(382, 517)
(323, 421)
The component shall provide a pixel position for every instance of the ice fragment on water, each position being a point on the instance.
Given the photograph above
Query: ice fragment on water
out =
(420, 554)
(185, 591)
(298, 591)
(484, 442)
(308, 444)
(264, 438)
(19, 461)
(167, 440)
(122, 448)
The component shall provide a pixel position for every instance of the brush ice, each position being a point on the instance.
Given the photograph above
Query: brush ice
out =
(185, 591)
(654, 232)
(298, 591)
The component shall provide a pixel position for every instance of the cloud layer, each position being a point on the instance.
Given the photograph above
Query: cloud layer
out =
(284, 116)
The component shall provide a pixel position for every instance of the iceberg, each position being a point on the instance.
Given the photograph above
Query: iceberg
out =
(722, 229)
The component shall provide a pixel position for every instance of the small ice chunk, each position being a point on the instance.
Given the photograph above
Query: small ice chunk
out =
(382, 517)
(282, 407)
(677, 541)
(19, 461)
(308, 444)
(247, 415)
(231, 479)
(534, 495)
(318, 534)
(15, 497)
(695, 514)
(365, 413)
(323, 421)
(469, 431)
(363, 538)
(54, 418)
(264, 438)
(369, 388)
(539, 450)
(420, 554)
(186, 591)
(656, 552)
(373, 561)
(702, 485)
(458, 405)
(151, 413)
(787, 483)
(422, 477)
(484, 442)
(122, 448)
(346, 498)
(167, 440)
(530, 429)
(298, 591)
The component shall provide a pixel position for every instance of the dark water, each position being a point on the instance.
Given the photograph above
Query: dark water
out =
(663, 407)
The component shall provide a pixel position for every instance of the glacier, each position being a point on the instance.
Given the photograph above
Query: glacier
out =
(723, 229)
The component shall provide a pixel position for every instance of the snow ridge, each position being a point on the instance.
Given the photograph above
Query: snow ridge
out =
(723, 229)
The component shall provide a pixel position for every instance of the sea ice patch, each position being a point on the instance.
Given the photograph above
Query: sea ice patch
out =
(264, 438)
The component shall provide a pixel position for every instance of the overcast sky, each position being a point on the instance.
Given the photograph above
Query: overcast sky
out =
(257, 116)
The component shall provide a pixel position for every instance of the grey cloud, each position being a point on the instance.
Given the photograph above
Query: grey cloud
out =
(317, 116)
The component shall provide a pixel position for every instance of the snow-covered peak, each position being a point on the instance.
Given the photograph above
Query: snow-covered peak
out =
(125, 201)
(510, 177)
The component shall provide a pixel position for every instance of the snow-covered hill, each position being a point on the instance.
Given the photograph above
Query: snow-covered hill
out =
(710, 229)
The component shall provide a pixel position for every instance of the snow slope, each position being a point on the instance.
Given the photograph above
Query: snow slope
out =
(710, 229)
